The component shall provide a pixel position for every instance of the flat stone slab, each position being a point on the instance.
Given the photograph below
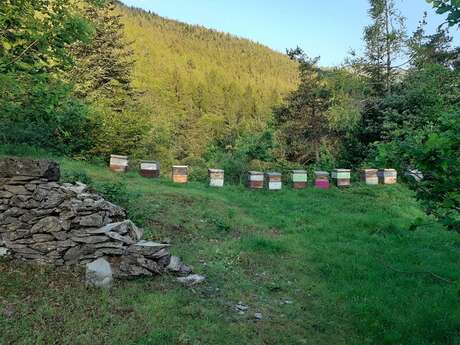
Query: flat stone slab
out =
(15, 167)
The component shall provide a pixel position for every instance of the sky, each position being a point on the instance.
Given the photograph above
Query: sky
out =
(327, 28)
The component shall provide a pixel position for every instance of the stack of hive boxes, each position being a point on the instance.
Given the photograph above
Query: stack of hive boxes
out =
(150, 169)
(118, 163)
(387, 176)
(255, 180)
(322, 179)
(342, 177)
(299, 179)
(273, 181)
(369, 176)
(180, 173)
(216, 177)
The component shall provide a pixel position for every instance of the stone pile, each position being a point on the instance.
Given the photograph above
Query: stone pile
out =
(68, 224)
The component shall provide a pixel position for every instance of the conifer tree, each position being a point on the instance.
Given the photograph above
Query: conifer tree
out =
(104, 66)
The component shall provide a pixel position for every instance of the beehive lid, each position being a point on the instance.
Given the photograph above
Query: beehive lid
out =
(273, 174)
(369, 170)
(118, 157)
(321, 173)
(299, 171)
(342, 170)
(180, 166)
(255, 173)
(219, 171)
(149, 162)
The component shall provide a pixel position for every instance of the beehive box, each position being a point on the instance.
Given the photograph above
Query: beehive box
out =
(387, 176)
(180, 173)
(321, 179)
(369, 176)
(273, 181)
(118, 163)
(149, 169)
(299, 179)
(255, 180)
(342, 177)
(216, 177)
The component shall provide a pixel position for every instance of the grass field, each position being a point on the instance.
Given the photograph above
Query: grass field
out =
(322, 267)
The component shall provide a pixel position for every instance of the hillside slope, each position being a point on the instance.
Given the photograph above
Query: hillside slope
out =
(201, 85)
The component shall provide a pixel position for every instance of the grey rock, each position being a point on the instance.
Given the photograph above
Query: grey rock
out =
(176, 266)
(46, 169)
(258, 316)
(47, 225)
(90, 239)
(61, 235)
(4, 252)
(146, 248)
(42, 238)
(123, 228)
(241, 307)
(117, 237)
(52, 199)
(99, 274)
(191, 279)
(16, 190)
(5, 195)
(93, 220)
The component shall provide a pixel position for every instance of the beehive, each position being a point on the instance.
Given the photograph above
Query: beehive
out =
(342, 177)
(369, 176)
(149, 169)
(180, 173)
(216, 177)
(321, 179)
(299, 179)
(118, 163)
(273, 181)
(255, 180)
(387, 176)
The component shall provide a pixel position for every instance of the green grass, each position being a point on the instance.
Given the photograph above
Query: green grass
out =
(346, 259)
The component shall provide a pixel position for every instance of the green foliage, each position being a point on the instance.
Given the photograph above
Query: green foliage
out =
(201, 87)
(76, 176)
(420, 129)
(34, 35)
(319, 114)
(39, 110)
(37, 107)
(436, 152)
(385, 39)
(451, 7)
(113, 191)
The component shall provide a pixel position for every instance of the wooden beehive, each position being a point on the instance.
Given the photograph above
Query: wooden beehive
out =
(273, 181)
(255, 180)
(299, 179)
(321, 179)
(387, 176)
(369, 176)
(216, 177)
(118, 163)
(149, 169)
(180, 173)
(342, 177)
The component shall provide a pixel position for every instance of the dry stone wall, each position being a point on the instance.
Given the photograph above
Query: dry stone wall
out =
(48, 222)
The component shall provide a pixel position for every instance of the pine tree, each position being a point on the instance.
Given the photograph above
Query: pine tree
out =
(104, 66)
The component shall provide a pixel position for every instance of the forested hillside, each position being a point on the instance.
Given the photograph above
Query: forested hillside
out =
(201, 85)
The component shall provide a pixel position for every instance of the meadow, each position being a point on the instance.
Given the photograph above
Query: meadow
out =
(362, 265)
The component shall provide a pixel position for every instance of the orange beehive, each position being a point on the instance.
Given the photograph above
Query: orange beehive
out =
(180, 173)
